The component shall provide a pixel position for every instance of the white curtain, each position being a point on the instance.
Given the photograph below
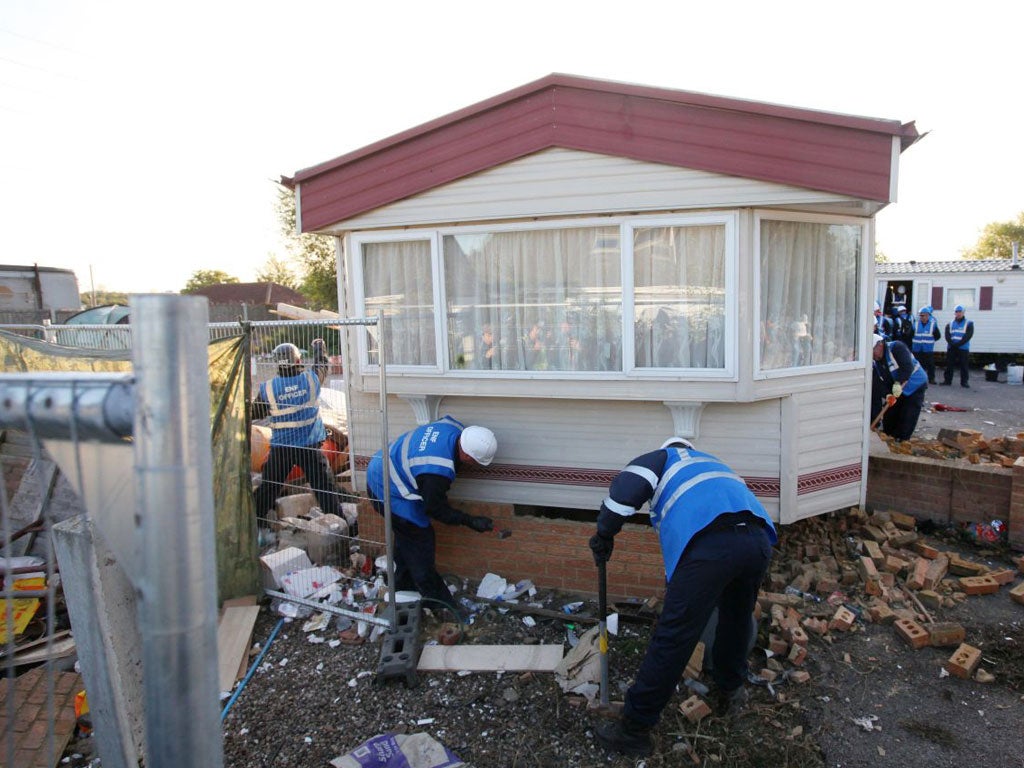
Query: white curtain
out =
(397, 281)
(542, 300)
(679, 279)
(808, 293)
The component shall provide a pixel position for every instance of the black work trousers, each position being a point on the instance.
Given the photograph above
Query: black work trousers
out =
(314, 466)
(957, 360)
(900, 421)
(927, 361)
(722, 566)
(415, 564)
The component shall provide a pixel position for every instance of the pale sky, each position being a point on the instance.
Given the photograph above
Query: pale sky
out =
(141, 141)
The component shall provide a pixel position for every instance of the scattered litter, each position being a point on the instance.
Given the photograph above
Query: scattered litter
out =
(529, 621)
(315, 639)
(491, 586)
(943, 673)
(868, 722)
(425, 721)
(317, 623)
(572, 607)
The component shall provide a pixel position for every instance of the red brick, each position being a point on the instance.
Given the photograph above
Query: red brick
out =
(1017, 593)
(936, 571)
(945, 633)
(799, 676)
(915, 580)
(881, 613)
(978, 585)
(964, 661)
(915, 635)
(1003, 577)
(777, 645)
(842, 620)
(695, 709)
(797, 655)
(795, 635)
(926, 551)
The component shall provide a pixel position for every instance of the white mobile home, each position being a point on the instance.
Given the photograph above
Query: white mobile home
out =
(588, 267)
(990, 290)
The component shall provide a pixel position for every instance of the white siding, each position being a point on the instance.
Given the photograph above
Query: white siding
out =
(566, 182)
(592, 435)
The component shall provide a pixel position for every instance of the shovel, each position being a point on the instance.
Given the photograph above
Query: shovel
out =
(890, 401)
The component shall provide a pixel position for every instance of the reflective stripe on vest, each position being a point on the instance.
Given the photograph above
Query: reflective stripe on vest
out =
(924, 335)
(293, 415)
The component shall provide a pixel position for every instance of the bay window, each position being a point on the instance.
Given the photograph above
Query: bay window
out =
(808, 274)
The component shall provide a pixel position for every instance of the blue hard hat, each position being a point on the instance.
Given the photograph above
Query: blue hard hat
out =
(925, 310)
(958, 308)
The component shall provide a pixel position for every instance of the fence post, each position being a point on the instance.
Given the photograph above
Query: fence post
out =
(175, 530)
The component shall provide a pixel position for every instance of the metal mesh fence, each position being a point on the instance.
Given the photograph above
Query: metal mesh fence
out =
(317, 555)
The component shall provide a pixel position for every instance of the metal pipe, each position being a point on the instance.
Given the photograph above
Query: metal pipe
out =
(328, 608)
(87, 406)
(389, 538)
(175, 531)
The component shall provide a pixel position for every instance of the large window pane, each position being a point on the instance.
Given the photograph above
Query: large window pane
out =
(398, 282)
(542, 300)
(808, 293)
(679, 279)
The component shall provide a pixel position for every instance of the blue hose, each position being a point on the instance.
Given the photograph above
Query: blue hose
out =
(255, 664)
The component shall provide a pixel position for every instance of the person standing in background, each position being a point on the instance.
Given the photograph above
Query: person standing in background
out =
(958, 352)
(926, 333)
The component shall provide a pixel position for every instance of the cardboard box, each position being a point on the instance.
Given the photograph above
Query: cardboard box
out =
(321, 537)
(276, 564)
(295, 505)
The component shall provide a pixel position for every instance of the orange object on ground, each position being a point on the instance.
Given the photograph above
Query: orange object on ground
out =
(260, 440)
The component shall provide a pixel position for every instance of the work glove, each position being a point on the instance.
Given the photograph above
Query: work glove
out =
(480, 524)
(602, 547)
(897, 390)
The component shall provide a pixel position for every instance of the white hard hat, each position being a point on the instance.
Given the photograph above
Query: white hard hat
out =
(479, 443)
(879, 339)
(677, 442)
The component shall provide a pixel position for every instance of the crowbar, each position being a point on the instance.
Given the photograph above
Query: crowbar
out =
(602, 645)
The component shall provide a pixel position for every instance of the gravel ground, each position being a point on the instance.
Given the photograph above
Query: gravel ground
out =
(308, 702)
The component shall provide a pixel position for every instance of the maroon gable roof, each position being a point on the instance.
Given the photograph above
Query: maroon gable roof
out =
(251, 293)
(824, 151)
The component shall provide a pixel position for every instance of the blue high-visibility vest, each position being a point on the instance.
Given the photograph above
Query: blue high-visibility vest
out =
(924, 335)
(294, 410)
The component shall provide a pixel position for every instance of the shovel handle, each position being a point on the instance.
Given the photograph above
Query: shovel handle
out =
(602, 610)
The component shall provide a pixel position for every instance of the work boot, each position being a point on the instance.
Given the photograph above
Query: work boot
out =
(625, 736)
(731, 703)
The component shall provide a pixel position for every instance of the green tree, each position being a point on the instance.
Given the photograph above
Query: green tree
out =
(275, 270)
(997, 238)
(202, 278)
(315, 254)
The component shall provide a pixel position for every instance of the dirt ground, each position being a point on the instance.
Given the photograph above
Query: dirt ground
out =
(871, 699)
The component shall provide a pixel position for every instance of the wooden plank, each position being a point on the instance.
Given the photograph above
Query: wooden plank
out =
(234, 635)
(244, 600)
(57, 650)
(490, 658)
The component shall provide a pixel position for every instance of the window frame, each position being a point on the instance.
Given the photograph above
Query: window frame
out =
(952, 302)
(627, 225)
(761, 374)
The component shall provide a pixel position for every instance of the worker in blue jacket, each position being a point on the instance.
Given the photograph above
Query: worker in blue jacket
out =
(903, 379)
(423, 465)
(716, 541)
(292, 401)
(926, 333)
(958, 347)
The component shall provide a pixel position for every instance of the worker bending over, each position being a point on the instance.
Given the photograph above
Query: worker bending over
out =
(716, 541)
(423, 465)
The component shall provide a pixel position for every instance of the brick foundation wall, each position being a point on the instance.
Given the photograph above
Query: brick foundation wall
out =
(553, 554)
(949, 492)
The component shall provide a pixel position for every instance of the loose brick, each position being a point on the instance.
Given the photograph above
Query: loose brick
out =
(777, 645)
(945, 633)
(930, 598)
(960, 567)
(936, 570)
(915, 580)
(797, 655)
(1017, 593)
(903, 538)
(872, 550)
(842, 620)
(799, 676)
(900, 520)
(964, 661)
(695, 709)
(926, 551)
(875, 533)
(817, 626)
(881, 613)
(893, 564)
(867, 568)
(915, 635)
(795, 635)
(769, 675)
(1019, 562)
(1003, 577)
(978, 585)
